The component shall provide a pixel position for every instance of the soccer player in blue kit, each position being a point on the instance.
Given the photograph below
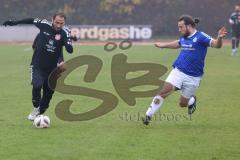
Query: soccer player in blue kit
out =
(188, 68)
(47, 52)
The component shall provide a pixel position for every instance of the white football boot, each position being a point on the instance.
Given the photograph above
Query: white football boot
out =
(33, 114)
(234, 52)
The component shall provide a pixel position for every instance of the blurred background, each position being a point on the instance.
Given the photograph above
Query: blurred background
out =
(158, 17)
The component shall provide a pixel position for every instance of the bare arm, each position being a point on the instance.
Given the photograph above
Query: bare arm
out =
(217, 43)
(171, 45)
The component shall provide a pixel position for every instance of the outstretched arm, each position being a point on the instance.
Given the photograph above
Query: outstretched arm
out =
(23, 21)
(171, 45)
(217, 43)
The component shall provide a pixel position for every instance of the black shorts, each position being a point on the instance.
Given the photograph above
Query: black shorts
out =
(235, 34)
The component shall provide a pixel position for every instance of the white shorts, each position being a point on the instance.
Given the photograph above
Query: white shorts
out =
(187, 84)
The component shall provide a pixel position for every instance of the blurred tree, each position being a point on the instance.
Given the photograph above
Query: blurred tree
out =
(119, 6)
(161, 14)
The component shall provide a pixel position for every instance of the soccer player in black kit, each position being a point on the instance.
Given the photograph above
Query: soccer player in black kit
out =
(234, 20)
(47, 52)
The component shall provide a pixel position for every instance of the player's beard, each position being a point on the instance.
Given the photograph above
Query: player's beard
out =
(186, 34)
(57, 28)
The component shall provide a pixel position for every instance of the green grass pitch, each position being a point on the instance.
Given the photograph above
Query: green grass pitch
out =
(212, 133)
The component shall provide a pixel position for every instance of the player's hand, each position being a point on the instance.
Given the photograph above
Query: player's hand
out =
(10, 23)
(61, 67)
(158, 45)
(222, 32)
(74, 38)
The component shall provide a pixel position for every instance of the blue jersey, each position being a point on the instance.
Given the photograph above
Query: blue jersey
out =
(192, 55)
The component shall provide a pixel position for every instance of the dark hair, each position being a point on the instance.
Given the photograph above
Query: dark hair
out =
(189, 20)
(60, 14)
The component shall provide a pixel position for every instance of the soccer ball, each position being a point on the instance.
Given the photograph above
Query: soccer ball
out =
(41, 121)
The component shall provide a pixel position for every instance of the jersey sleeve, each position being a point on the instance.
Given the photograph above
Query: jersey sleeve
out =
(232, 18)
(179, 41)
(205, 39)
(34, 45)
(67, 40)
(41, 23)
(61, 59)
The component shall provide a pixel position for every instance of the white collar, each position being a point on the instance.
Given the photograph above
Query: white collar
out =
(192, 34)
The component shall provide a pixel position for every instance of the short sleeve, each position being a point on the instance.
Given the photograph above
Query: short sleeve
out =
(179, 41)
(205, 39)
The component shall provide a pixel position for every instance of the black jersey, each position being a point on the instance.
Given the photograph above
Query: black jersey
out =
(60, 59)
(235, 21)
(49, 45)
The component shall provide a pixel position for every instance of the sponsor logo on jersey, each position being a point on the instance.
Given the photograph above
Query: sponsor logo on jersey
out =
(51, 42)
(195, 39)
